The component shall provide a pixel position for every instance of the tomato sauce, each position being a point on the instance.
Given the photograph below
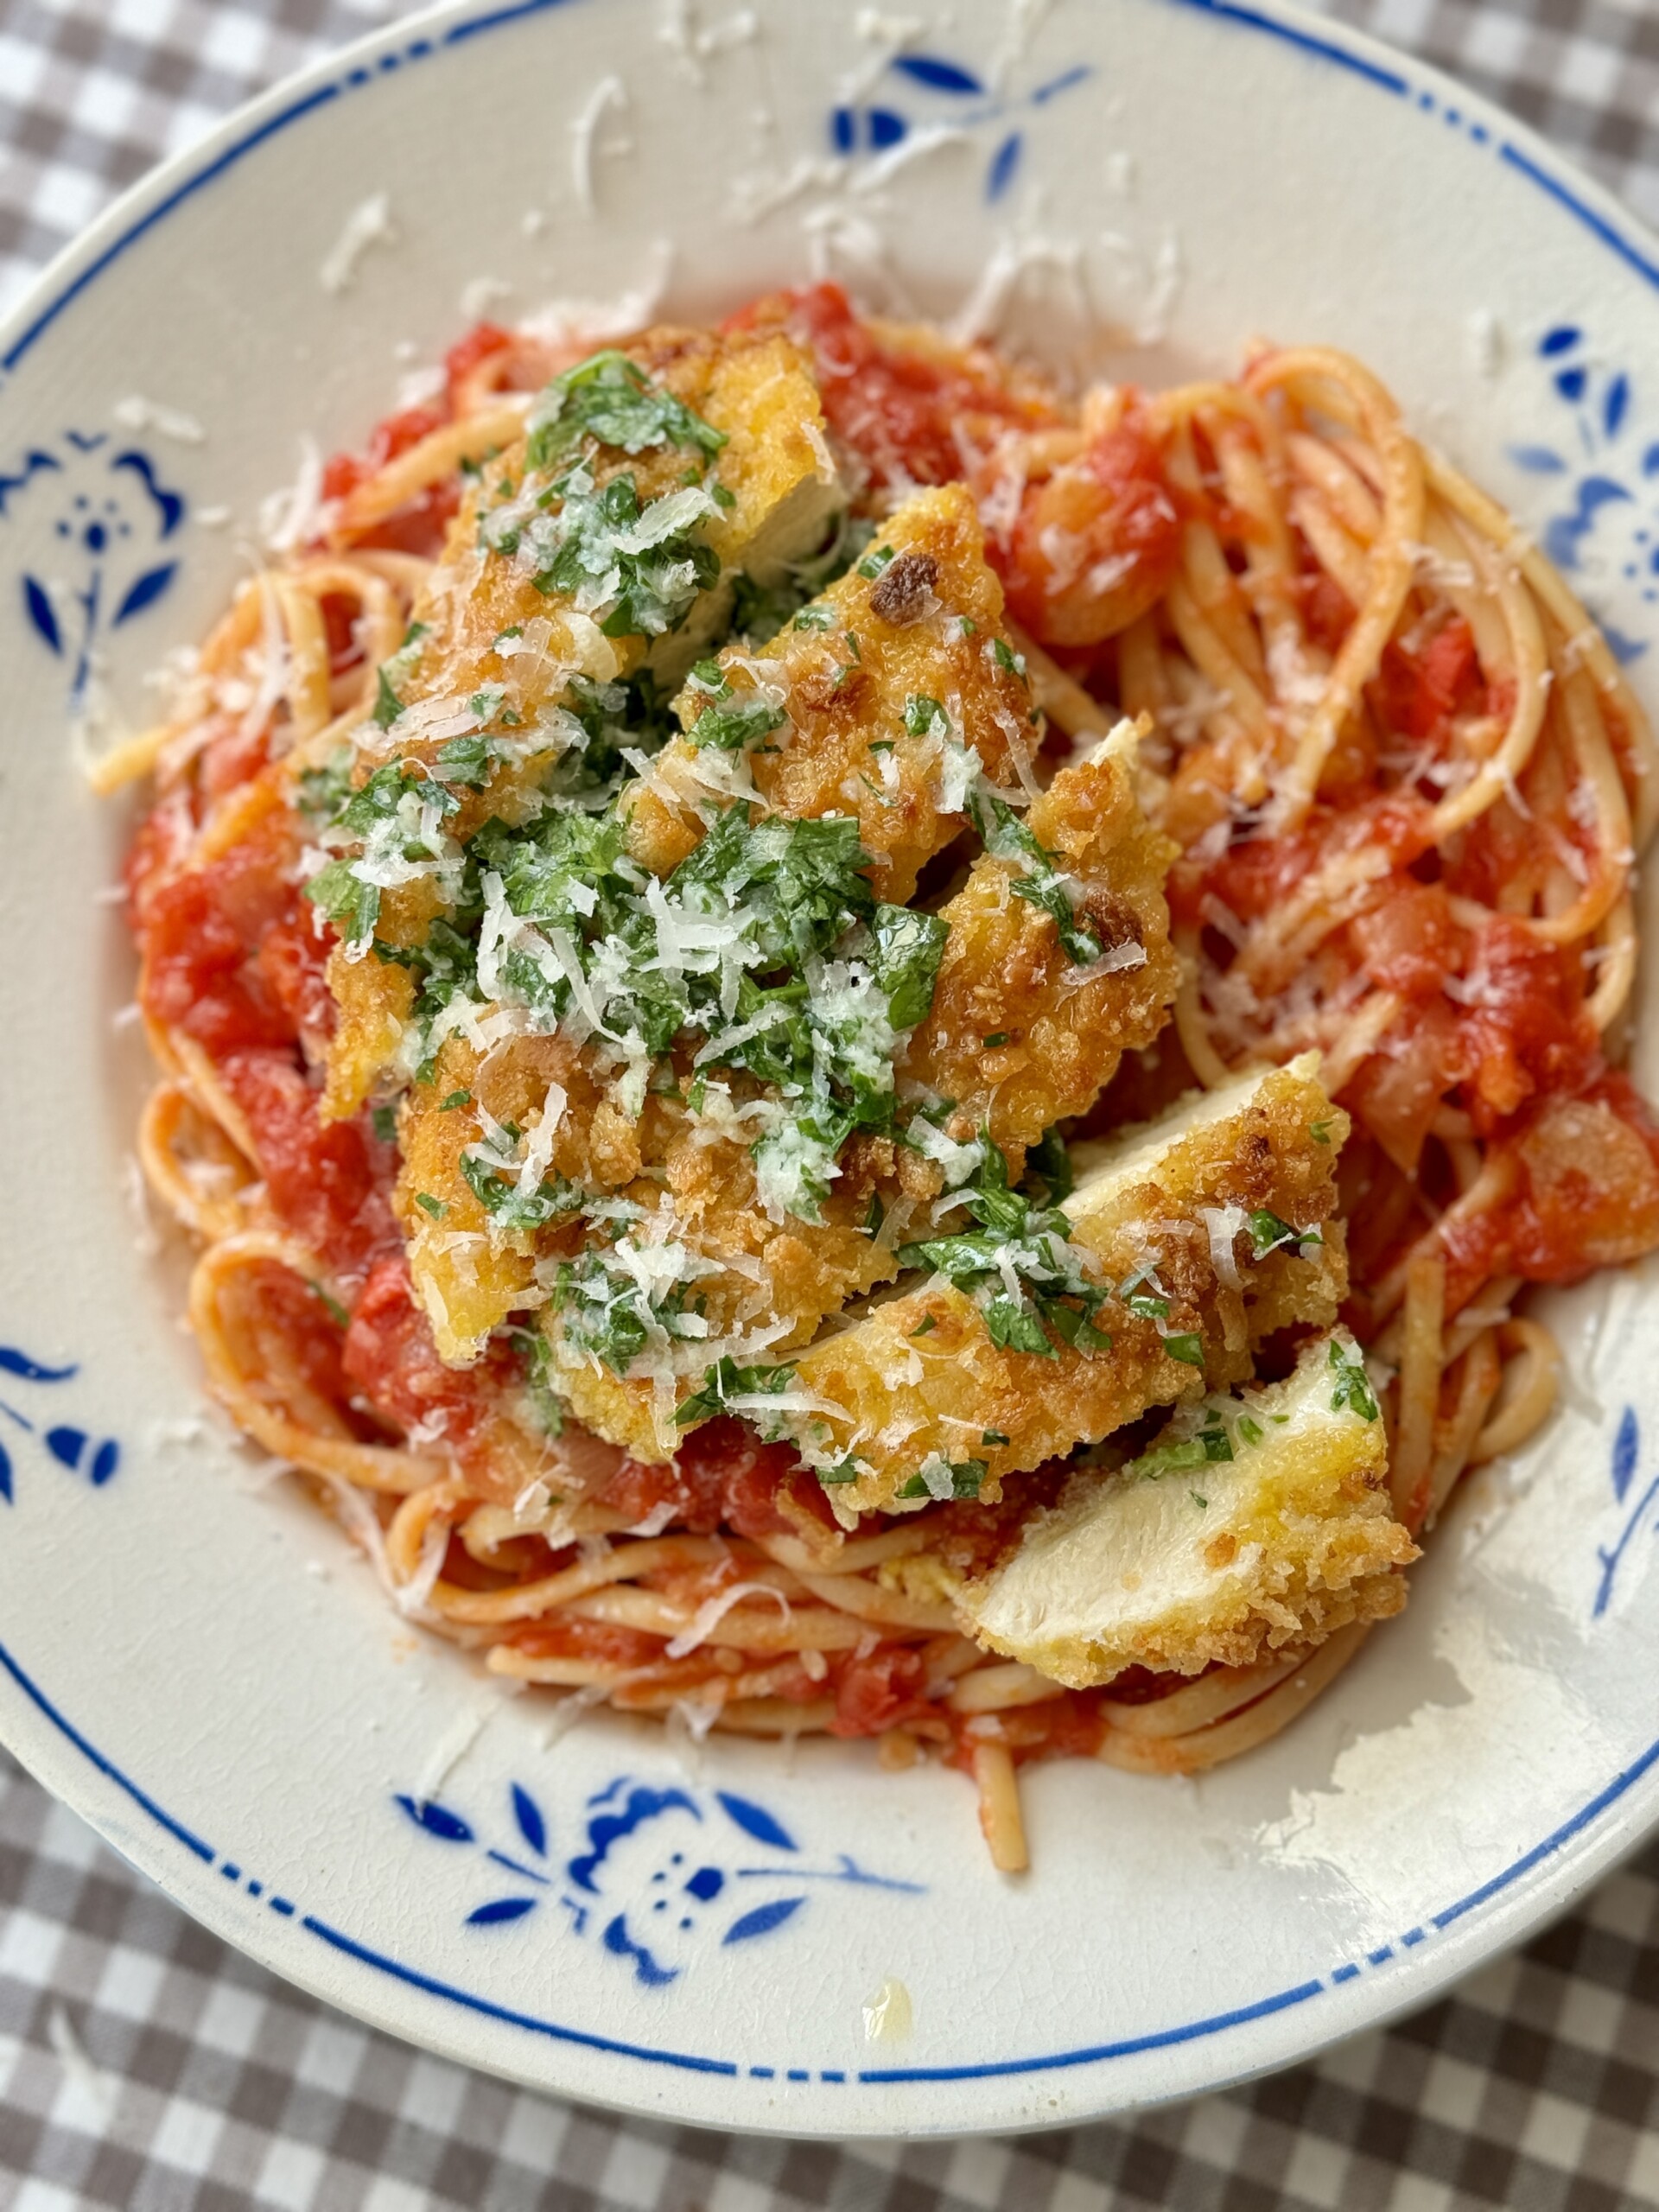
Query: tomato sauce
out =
(912, 417)
(721, 1476)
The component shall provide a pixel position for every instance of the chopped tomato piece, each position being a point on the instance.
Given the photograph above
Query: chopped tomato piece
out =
(1415, 692)
(880, 1692)
(1096, 543)
(1524, 1028)
(1409, 942)
(391, 1357)
(1592, 1167)
(723, 1475)
(320, 1174)
(901, 410)
(467, 353)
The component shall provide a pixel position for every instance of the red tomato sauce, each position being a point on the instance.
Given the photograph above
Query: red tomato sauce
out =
(418, 527)
(898, 408)
(721, 1476)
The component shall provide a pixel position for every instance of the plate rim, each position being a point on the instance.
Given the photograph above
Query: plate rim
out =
(1580, 1853)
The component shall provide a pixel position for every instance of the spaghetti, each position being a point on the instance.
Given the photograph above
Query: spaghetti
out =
(1406, 784)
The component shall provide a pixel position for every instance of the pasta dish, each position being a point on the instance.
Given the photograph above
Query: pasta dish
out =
(859, 1046)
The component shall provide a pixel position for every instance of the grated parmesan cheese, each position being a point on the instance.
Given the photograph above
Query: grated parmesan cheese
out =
(368, 225)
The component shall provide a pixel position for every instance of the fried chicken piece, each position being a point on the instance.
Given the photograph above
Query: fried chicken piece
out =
(886, 688)
(1073, 1026)
(1253, 1523)
(756, 1276)
(1020, 1035)
(915, 1399)
(490, 653)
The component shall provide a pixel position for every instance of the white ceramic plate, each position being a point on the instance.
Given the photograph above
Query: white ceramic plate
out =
(200, 1664)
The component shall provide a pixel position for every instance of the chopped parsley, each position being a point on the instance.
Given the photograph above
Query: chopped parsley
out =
(466, 760)
(908, 947)
(512, 1210)
(322, 791)
(398, 815)
(737, 721)
(428, 1204)
(611, 400)
(925, 717)
(1006, 837)
(1268, 1233)
(725, 1381)
(536, 1354)
(636, 570)
(1210, 1446)
(940, 1478)
(1353, 1387)
(1053, 1295)
(607, 1303)
(875, 562)
(387, 705)
(1049, 1159)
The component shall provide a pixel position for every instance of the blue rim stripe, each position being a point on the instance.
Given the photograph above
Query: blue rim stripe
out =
(1228, 11)
(433, 1987)
(1566, 197)
(475, 24)
(1159, 2040)
(106, 1766)
(1567, 1831)
(135, 231)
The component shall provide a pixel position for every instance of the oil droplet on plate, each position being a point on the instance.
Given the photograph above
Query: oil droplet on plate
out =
(887, 2017)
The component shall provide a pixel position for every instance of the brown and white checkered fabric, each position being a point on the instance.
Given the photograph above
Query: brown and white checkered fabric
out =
(145, 2067)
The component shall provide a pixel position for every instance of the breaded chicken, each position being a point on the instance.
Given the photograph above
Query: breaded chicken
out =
(1019, 1034)
(1198, 1232)
(771, 1281)
(890, 691)
(1253, 1523)
(491, 653)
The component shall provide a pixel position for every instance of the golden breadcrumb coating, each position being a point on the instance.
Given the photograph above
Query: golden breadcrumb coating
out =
(918, 1379)
(1018, 1035)
(1185, 1559)
(770, 1282)
(777, 469)
(927, 627)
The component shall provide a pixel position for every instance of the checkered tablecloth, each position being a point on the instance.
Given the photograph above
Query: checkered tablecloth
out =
(145, 2066)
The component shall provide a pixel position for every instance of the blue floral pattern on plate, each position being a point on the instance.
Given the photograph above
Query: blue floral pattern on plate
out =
(653, 1875)
(113, 531)
(955, 99)
(1627, 1448)
(94, 1458)
(1607, 472)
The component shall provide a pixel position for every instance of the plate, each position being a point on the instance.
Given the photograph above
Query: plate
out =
(191, 1656)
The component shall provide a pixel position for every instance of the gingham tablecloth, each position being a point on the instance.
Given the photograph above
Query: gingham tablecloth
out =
(145, 2066)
